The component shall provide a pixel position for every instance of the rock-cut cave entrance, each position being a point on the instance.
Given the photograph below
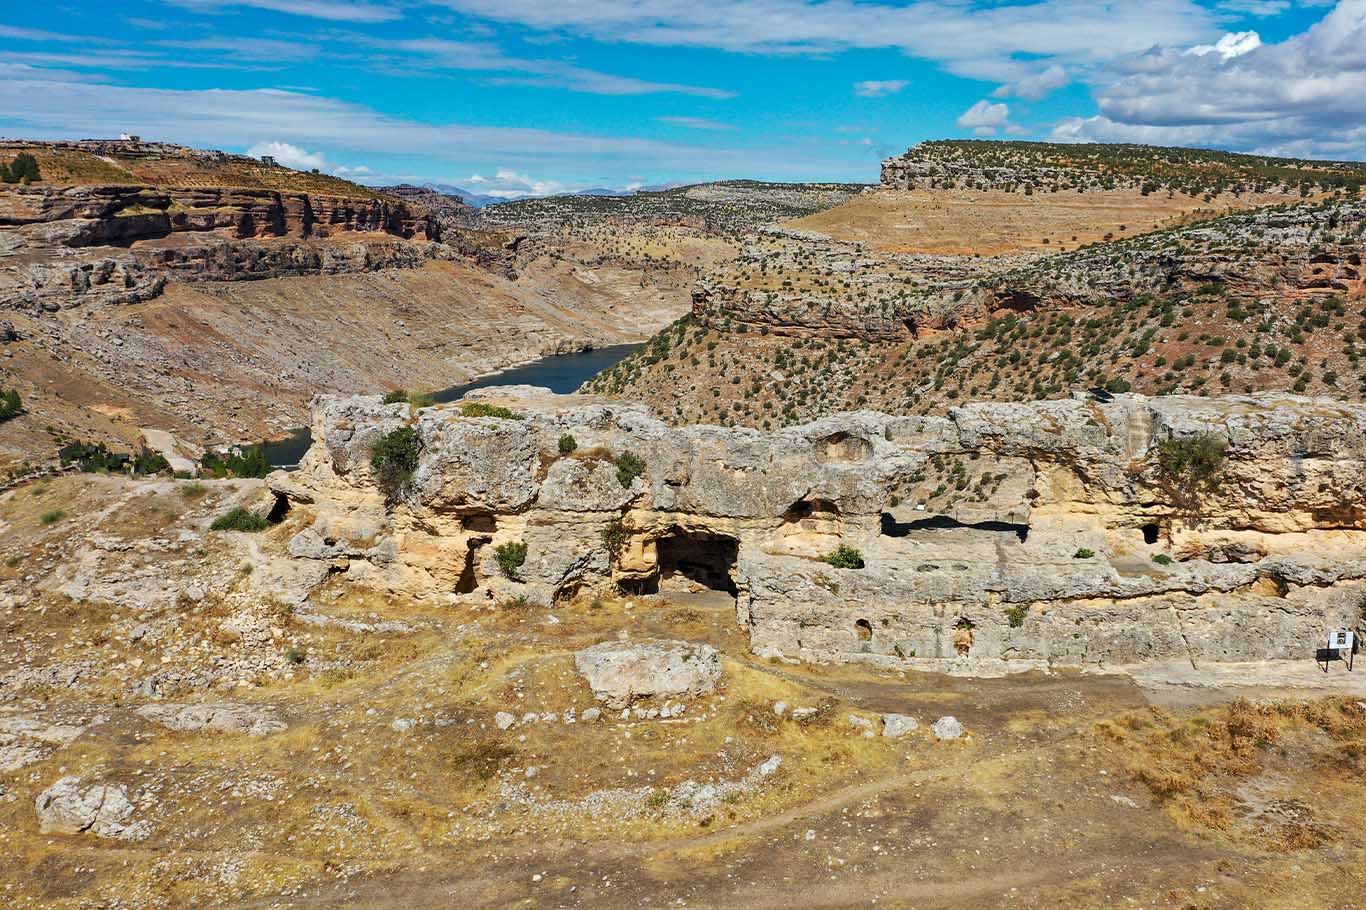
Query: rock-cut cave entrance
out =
(698, 556)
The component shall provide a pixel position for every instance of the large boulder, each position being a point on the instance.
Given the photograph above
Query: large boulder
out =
(102, 809)
(622, 672)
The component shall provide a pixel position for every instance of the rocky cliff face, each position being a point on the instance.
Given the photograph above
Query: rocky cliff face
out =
(1043, 532)
(796, 283)
(1028, 167)
(72, 246)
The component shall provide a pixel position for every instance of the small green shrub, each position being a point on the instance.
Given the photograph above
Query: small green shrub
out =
(193, 490)
(1084, 553)
(844, 557)
(397, 396)
(296, 655)
(629, 467)
(614, 537)
(394, 458)
(568, 444)
(239, 519)
(50, 518)
(1162, 559)
(480, 409)
(511, 556)
(10, 405)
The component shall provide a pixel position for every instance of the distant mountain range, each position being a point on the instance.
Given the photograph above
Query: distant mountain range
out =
(479, 200)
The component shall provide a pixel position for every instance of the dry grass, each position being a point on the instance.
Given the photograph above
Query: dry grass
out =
(994, 222)
(1273, 775)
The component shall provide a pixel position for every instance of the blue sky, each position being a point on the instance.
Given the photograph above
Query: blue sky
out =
(512, 96)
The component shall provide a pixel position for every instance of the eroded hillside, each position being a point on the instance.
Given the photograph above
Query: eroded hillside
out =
(803, 323)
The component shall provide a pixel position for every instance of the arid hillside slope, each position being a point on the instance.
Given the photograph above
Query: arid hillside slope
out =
(803, 323)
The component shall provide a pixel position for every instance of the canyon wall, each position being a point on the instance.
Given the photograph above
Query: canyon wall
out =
(1042, 532)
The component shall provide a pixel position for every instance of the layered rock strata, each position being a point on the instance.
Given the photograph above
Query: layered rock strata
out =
(1054, 535)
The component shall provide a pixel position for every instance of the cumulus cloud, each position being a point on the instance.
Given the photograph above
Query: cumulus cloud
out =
(1035, 87)
(1234, 44)
(985, 118)
(289, 155)
(879, 88)
(509, 184)
(1306, 93)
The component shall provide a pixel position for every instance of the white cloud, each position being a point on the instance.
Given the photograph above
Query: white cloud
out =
(1234, 44)
(485, 56)
(970, 37)
(36, 105)
(289, 155)
(334, 10)
(984, 118)
(879, 88)
(1306, 93)
(1035, 87)
(1259, 8)
(509, 184)
(697, 123)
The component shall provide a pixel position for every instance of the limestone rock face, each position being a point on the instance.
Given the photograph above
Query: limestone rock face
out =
(1041, 532)
(624, 672)
(221, 718)
(102, 809)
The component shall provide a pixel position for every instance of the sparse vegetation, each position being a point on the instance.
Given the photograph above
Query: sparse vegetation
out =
(511, 556)
(629, 467)
(394, 459)
(10, 405)
(241, 520)
(1190, 467)
(23, 169)
(481, 409)
(52, 517)
(567, 444)
(844, 557)
(1084, 553)
(239, 461)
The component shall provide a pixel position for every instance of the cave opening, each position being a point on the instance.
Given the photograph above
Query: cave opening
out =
(864, 629)
(468, 582)
(705, 558)
(893, 528)
(1151, 531)
(279, 510)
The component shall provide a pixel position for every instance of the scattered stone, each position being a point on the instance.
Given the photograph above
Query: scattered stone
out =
(805, 712)
(621, 673)
(102, 809)
(895, 726)
(503, 720)
(591, 715)
(947, 727)
(780, 708)
(857, 721)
